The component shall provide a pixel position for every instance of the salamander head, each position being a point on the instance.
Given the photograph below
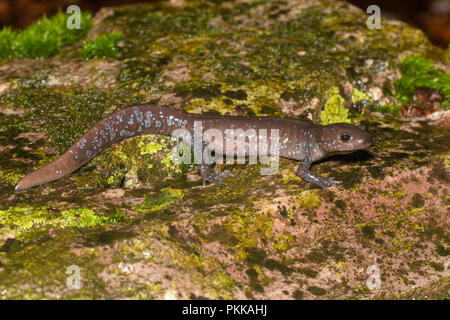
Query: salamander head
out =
(342, 138)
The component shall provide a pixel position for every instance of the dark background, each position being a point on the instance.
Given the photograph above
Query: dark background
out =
(432, 16)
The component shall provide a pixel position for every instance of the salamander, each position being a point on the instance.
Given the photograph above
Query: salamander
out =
(299, 140)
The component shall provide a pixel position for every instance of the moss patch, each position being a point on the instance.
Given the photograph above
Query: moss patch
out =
(309, 199)
(25, 222)
(166, 197)
(43, 39)
(7, 43)
(248, 227)
(421, 72)
(317, 291)
(334, 111)
(26, 217)
(82, 218)
(104, 46)
(261, 237)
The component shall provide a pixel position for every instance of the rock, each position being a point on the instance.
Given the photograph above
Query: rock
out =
(142, 227)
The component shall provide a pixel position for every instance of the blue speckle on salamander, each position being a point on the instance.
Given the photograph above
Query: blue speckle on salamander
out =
(81, 143)
(126, 133)
(95, 142)
(148, 121)
(112, 132)
(139, 115)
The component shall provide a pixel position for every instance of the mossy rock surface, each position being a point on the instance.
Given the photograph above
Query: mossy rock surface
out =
(139, 226)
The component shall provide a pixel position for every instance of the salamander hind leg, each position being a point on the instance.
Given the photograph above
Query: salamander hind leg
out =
(208, 175)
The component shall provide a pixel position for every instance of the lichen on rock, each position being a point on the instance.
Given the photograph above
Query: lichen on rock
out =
(141, 226)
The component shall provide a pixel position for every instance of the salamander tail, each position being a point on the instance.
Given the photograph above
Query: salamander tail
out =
(123, 124)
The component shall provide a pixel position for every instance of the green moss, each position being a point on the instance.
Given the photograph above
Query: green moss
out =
(255, 255)
(221, 284)
(210, 57)
(254, 274)
(334, 111)
(135, 162)
(272, 264)
(437, 266)
(36, 43)
(297, 295)
(395, 227)
(368, 231)
(66, 113)
(358, 96)
(309, 199)
(283, 242)
(164, 199)
(7, 42)
(43, 39)
(110, 180)
(104, 46)
(388, 108)
(443, 249)
(340, 204)
(421, 72)
(261, 97)
(317, 291)
(147, 146)
(417, 201)
(11, 176)
(206, 271)
(82, 218)
(308, 272)
(239, 189)
(218, 233)
(248, 227)
(25, 218)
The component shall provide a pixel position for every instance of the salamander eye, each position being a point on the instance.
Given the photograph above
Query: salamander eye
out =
(345, 137)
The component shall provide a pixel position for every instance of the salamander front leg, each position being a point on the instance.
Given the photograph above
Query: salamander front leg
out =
(309, 176)
(208, 175)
